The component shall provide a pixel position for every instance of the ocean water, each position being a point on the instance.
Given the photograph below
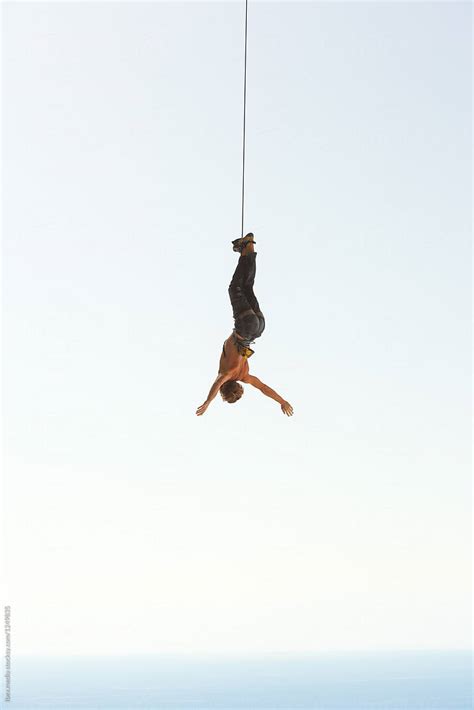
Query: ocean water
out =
(351, 681)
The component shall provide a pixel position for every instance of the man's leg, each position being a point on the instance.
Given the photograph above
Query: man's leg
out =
(250, 280)
(249, 272)
(249, 293)
(246, 310)
(244, 276)
(251, 298)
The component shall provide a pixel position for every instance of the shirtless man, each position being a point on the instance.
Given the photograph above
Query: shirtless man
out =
(249, 324)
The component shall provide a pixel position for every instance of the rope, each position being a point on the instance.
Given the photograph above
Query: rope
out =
(245, 113)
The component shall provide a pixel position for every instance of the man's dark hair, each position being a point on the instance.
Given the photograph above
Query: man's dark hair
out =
(231, 391)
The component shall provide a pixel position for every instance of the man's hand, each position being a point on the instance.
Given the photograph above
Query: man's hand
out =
(217, 384)
(287, 409)
(200, 410)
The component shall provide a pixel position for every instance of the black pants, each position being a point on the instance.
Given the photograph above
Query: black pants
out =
(249, 320)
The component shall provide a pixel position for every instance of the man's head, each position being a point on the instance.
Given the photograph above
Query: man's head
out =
(231, 391)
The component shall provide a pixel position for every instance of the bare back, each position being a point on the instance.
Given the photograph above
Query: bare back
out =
(232, 361)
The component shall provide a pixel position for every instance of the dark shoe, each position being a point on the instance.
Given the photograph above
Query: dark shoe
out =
(239, 244)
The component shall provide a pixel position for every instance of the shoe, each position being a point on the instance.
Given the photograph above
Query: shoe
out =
(240, 243)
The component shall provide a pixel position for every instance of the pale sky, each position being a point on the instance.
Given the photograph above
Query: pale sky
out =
(132, 524)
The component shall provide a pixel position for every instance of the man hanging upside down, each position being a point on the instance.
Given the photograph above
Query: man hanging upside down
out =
(249, 323)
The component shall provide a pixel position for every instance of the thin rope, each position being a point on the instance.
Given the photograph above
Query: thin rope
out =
(245, 114)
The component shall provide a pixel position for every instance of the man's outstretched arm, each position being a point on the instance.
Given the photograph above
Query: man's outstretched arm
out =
(286, 407)
(218, 382)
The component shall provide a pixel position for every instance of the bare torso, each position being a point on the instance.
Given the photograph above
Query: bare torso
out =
(232, 366)
(232, 361)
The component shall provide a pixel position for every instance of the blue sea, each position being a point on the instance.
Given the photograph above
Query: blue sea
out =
(351, 681)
